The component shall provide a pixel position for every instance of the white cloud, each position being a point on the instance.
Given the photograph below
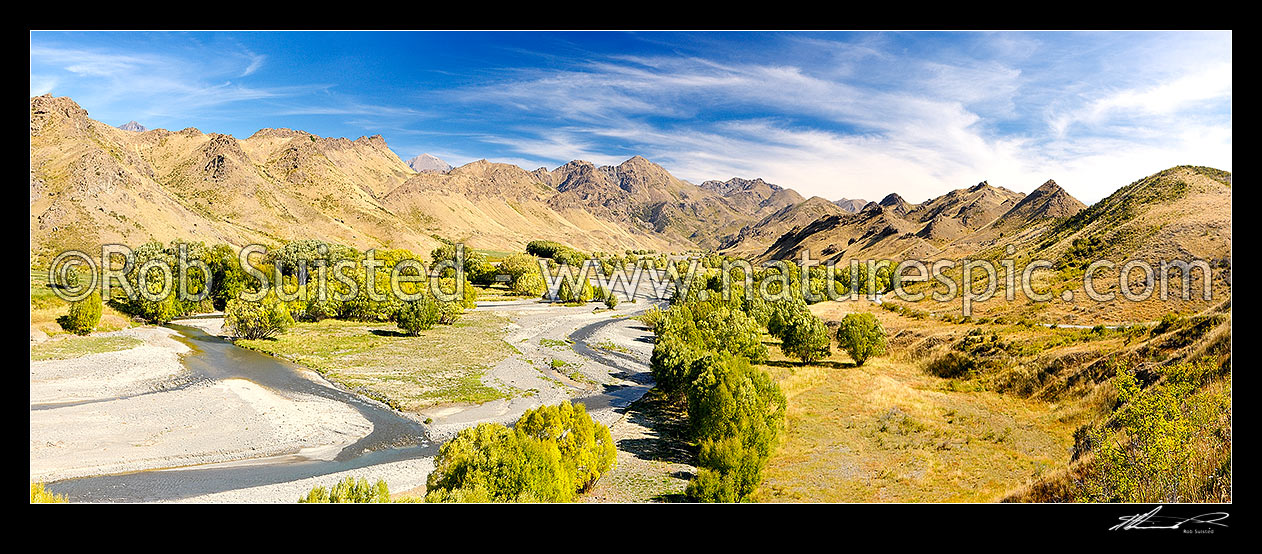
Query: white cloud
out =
(883, 124)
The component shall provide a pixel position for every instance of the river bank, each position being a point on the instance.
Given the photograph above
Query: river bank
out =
(141, 408)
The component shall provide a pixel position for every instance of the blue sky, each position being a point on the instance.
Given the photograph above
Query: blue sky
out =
(829, 114)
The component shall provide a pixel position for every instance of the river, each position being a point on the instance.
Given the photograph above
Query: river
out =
(393, 438)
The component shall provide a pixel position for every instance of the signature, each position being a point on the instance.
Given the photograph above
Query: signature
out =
(1151, 520)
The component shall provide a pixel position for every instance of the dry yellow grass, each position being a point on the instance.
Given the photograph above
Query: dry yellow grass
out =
(889, 432)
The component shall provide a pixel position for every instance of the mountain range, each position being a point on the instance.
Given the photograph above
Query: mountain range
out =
(92, 183)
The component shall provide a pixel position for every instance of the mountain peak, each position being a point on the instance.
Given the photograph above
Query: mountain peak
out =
(1048, 187)
(428, 162)
(738, 184)
(133, 126)
(1047, 201)
(852, 205)
(638, 162)
(892, 199)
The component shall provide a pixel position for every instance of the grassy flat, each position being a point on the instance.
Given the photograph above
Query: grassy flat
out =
(443, 365)
(890, 432)
(75, 347)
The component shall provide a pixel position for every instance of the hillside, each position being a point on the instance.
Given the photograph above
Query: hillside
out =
(498, 206)
(753, 239)
(643, 195)
(92, 183)
(893, 227)
(852, 205)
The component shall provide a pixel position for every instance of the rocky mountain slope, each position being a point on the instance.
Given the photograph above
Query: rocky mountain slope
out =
(427, 162)
(92, 183)
(852, 205)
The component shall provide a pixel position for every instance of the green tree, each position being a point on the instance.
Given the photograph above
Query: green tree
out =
(567, 292)
(862, 336)
(349, 491)
(805, 337)
(736, 413)
(256, 319)
(418, 315)
(476, 268)
(530, 284)
(84, 315)
(586, 447)
(518, 267)
(492, 463)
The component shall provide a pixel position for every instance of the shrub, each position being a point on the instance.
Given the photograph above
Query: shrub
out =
(530, 284)
(476, 268)
(551, 454)
(691, 329)
(862, 336)
(256, 319)
(349, 491)
(159, 308)
(805, 337)
(611, 301)
(449, 312)
(517, 267)
(587, 448)
(652, 317)
(468, 294)
(84, 315)
(568, 294)
(1170, 442)
(952, 365)
(599, 294)
(561, 253)
(1168, 322)
(317, 310)
(780, 312)
(40, 495)
(418, 315)
(737, 413)
(492, 463)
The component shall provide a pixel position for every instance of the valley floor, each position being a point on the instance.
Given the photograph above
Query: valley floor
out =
(124, 401)
(884, 432)
(889, 432)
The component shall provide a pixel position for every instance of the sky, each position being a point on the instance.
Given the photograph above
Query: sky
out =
(853, 115)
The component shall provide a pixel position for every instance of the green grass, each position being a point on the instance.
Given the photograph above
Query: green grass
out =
(553, 343)
(75, 347)
(497, 292)
(495, 256)
(46, 307)
(443, 365)
(612, 346)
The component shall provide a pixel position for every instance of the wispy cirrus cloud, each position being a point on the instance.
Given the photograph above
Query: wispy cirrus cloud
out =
(888, 121)
(155, 87)
(848, 114)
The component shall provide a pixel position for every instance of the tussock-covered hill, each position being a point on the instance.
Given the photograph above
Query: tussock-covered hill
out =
(92, 183)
